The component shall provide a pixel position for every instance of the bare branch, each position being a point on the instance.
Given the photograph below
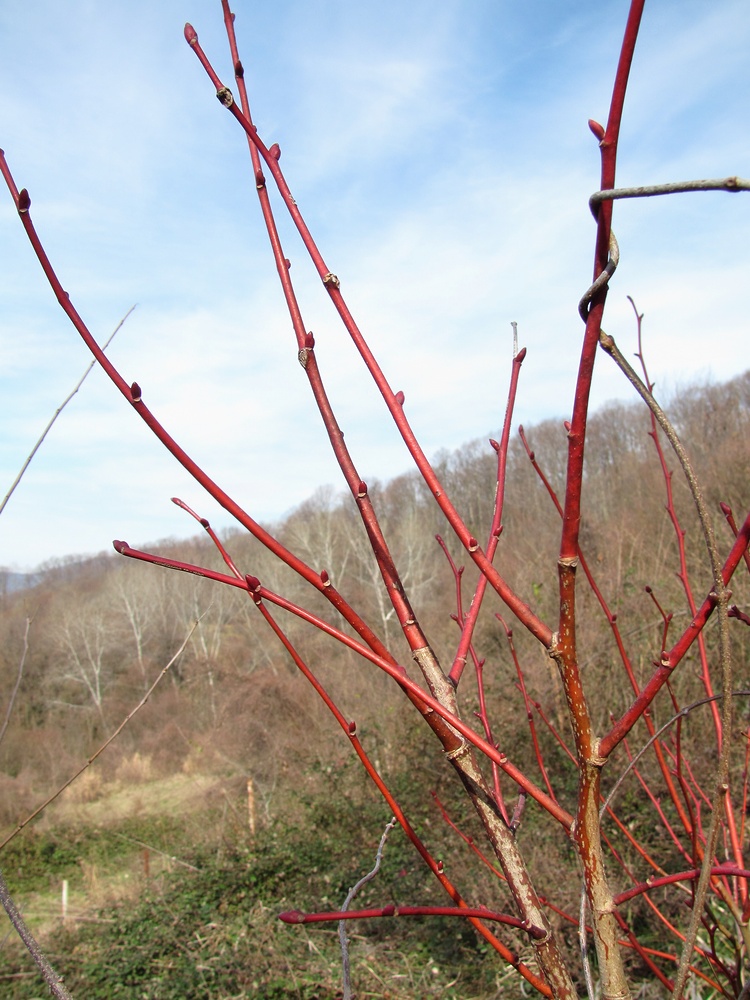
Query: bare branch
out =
(58, 411)
(106, 743)
(19, 676)
(51, 978)
(732, 184)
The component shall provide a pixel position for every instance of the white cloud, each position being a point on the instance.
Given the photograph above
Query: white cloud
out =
(443, 162)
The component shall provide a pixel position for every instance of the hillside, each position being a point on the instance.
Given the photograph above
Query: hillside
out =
(222, 801)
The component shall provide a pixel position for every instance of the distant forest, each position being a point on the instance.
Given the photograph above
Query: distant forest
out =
(101, 629)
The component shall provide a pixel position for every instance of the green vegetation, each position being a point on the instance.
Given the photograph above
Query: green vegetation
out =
(211, 931)
(197, 916)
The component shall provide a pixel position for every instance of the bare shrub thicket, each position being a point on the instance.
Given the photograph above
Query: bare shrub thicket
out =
(581, 685)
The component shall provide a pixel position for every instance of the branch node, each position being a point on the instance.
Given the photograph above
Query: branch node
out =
(224, 96)
(331, 280)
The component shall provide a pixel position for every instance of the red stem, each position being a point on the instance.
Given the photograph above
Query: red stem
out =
(394, 401)
(671, 658)
(476, 917)
(388, 665)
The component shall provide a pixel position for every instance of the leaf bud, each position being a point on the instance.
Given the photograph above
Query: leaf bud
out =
(596, 129)
(191, 36)
(324, 578)
(521, 355)
(135, 392)
(362, 489)
(239, 70)
(224, 96)
(494, 444)
(352, 728)
(309, 340)
(275, 151)
(400, 398)
(292, 917)
(24, 201)
(253, 583)
(120, 546)
(260, 181)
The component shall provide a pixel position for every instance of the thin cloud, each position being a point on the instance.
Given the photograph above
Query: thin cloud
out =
(443, 161)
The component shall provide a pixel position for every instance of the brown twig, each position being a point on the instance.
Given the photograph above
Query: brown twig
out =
(51, 978)
(104, 745)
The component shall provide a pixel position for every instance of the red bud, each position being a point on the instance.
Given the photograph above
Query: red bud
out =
(324, 578)
(400, 398)
(494, 444)
(253, 583)
(597, 129)
(275, 151)
(362, 489)
(135, 392)
(120, 546)
(24, 201)
(292, 917)
(191, 36)
(309, 341)
(239, 70)
(521, 355)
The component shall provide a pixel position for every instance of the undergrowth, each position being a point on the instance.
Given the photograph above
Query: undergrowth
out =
(213, 933)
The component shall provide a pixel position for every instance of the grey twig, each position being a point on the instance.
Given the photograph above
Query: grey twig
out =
(732, 184)
(19, 675)
(57, 413)
(609, 270)
(51, 978)
(344, 941)
(725, 661)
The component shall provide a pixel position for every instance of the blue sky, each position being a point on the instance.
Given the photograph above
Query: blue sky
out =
(441, 156)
